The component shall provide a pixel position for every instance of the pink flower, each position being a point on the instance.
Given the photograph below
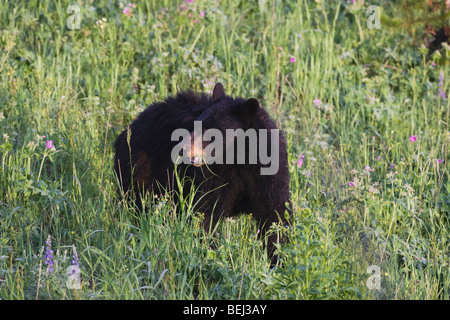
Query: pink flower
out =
(350, 184)
(440, 160)
(202, 13)
(317, 102)
(128, 11)
(413, 138)
(292, 60)
(367, 168)
(280, 48)
(49, 144)
(300, 161)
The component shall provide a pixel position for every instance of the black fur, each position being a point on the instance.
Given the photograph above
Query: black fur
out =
(233, 188)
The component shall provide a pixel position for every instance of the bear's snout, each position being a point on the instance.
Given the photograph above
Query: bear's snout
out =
(192, 147)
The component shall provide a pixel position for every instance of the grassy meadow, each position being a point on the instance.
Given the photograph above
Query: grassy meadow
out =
(364, 109)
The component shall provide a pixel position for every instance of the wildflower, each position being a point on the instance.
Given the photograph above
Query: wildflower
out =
(440, 161)
(49, 144)
(202, 14)
(300, 161)
(350, 184)
(413, 138)
(433, 64)
(49, 256)
(292, 60)
(102, 23)
(128, 10)
(368, 169)
(280, 48)
(317, 102)
(392, 165)
(75, 261)
(441, 86)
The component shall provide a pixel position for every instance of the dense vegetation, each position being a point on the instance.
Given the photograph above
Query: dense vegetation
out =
(364, 110)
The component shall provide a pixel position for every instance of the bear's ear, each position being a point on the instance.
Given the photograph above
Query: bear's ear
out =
(218, 92)
(248, 110)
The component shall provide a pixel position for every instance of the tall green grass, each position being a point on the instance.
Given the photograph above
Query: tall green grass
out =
(80, 88)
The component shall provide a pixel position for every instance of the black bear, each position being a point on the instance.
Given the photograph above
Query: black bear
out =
(242, 170)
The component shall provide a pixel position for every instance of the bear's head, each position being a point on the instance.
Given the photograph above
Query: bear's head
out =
(217, 128)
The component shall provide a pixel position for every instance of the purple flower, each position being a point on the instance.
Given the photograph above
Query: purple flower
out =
(367, 168)
(392, 165)
(440, 160)
(75, 260)
(128, 11)
(300, 160)
(202, 13)
(292, 60)
(413, 138)
(49, 144)
(317, 102)
(350, 184)
(49, 256)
